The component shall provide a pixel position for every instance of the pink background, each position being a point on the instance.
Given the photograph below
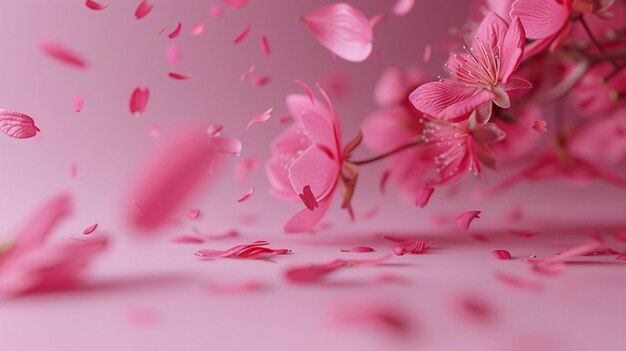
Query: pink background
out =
(580, 310)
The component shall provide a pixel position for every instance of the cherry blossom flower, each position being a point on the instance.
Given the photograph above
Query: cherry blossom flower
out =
(479, 76)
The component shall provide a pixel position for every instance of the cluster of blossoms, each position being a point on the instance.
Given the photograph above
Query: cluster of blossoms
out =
(527, 69)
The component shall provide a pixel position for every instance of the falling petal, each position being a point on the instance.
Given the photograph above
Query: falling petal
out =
(143, 9)
(62, 54)
(237, 4)
(265, 45)
(428, 49)
(227, 145)
(177, 76)
(94, 5)
(193, 213)
(256, 250)
(549, 269)
(263, 117)
(197, 29)
(342, 29)
(17, 125)
(463, 220)
(171, 176)
(403, 7)
(247, 73)
(242, 35)
(424, 196)
(139, 100)
(247, 195)
(73, 171)
(176, 31)
(260, 80)
(313, 273)
(540, 126)
(578, 250)
(359, 249)
(90, 229)
(78, 103)
(501, 254)
(411, 247)
(172, 53)
(214, 130)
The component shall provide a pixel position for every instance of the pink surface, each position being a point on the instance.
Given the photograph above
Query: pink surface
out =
(154, 294)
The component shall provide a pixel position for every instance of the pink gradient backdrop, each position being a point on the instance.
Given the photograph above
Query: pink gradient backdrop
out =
(107, 144)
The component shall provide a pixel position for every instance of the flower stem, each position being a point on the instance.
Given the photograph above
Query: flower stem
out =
(597, 44)
(389, 153)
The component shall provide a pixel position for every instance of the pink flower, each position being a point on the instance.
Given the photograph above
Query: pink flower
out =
(462, 146)
(309, 153)
(342, 29)
(29, 264)
(479, 76)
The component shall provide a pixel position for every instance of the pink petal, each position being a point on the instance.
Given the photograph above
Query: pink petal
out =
(177, 76)
(171, 176)
(193, 214)
(216, 11)
(260, 80)
(383, 181)
(549, 269)
(62, 54)
(247, 73)
(187, 239)
(214, 130)
(78, 103)
(17, 125)
(73, 171)
(315, 169)
(541, 18)
(90, 229)
(176, 31)
(501, 254)
(390, 318)
(463, 220)
(579, 250)
(172, 53)
(227, 145)
(242, 35)
(237, 4)
(540, 126)
(428, 50)
(197, 29)
(94, 5)
(265, 45)
(424, 196)
(403, 7)
(447, 100)
(512, 50)
(139, 100)
(308, 198)
(261, 118)
(342, 29)
(359, 249)
(308, 91)
(143, 9)
(247, 195)
(313, 273)
(411, 247)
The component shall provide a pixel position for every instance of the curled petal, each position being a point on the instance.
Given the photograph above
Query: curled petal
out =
(178, 76)
(501, 254)
(63, 54)
(463, 220)
(90, 229)
(247, 195)
(359, 249)
(343, 30)
(242, 35)
(17, 125)
(94, 5)
(424, 196)
(402, 7)
(261, 118)
(176, 31)
(540, 126)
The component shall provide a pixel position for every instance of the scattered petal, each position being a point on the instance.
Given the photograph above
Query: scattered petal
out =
(501, 254)
(265, 45)
(178, 76)
(78, 103)
(428, 50)
(171, 176)
(143, 9)
(242, 35)
(172, 53)
(187, 239)
(247, 73)
(260, 80)
(343, 30)
(411, 247)
(139, 100)
(403, 7)
(197, 29)
(540, 126)
(579, 250)
(62, 54)
(424, 196)
(256, 250)
(263, 117)
(247, 195)
(90, 229)
(359, 249)
(94, 5)
(214, 130)
(227, 145)
(176, 31)
(463, 220)
(17, 125)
